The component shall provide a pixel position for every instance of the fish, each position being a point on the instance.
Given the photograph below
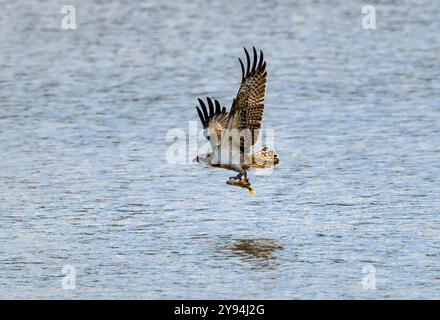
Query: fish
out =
(242, 183)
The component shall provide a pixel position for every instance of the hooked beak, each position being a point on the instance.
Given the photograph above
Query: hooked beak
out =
(196, 159)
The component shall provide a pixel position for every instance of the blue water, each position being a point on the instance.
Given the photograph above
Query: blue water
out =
(84, 180)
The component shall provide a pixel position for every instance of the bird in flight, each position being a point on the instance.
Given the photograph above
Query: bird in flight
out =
(233, 134)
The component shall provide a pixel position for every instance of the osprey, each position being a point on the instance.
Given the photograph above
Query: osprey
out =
(232, 135)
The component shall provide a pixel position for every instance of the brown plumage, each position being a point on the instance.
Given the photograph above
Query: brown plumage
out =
(213, 121)
(243, 122)
(263, 159)
(248, 107)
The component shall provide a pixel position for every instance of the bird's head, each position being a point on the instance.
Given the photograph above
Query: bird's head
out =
(204, 158)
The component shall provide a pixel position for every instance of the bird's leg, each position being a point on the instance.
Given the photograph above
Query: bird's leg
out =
(245, 176)
(248, 184)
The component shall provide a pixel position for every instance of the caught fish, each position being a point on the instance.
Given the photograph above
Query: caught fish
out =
(242, 183)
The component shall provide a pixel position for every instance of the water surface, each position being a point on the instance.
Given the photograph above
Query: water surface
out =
(84, 180)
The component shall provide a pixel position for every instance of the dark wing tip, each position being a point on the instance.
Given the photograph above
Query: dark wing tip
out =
(242, 69)
(205, 111)
(202, 119)
(211, 107)
(260, 63)
(214, 108)
(248, 61)
(217, 106)
(254, 63)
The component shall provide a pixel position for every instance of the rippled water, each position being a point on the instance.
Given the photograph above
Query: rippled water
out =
(84, 178)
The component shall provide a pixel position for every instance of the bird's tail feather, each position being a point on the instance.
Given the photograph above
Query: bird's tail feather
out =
(264, 159)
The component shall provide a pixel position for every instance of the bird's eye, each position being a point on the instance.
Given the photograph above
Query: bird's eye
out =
(209, 138)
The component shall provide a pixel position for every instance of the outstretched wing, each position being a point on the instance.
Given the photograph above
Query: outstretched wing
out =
(214, 120)
(248, 107)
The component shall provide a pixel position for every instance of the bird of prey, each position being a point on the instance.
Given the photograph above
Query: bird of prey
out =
(233, 135)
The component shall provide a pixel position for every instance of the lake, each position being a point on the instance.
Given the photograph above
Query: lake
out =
(90, 208)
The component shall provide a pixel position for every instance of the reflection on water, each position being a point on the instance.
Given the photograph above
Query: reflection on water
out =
(258, 248)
